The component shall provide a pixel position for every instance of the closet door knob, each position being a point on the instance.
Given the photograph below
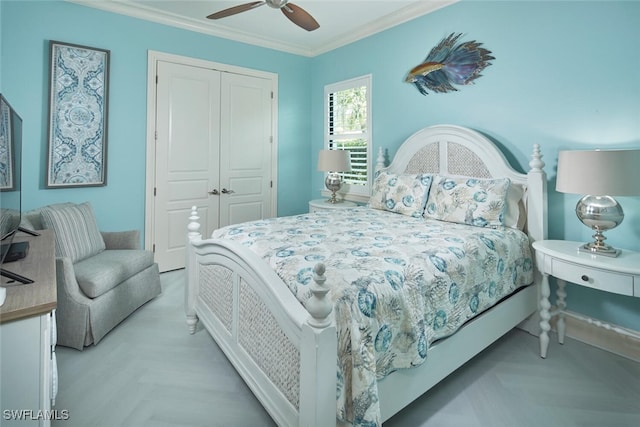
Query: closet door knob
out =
(214, 192)
(225, 191)
(585, 278)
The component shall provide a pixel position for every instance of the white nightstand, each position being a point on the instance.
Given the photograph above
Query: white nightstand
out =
(561, 259)
(324, 205)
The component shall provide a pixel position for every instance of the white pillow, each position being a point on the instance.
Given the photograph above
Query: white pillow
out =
(405, 194)
(515, 216)
(466, 200)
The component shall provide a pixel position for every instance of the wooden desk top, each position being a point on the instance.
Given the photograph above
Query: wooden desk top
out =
(39, 265)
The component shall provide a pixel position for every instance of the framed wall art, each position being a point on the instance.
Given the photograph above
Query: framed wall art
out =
(78, 104)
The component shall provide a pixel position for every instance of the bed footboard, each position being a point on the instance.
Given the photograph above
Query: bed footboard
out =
(284, 352)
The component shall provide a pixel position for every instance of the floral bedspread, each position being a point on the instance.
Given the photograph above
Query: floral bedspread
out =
(397, 283)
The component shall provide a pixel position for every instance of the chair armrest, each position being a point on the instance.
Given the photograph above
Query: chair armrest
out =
(73, 306)
(121, 239)
(67, 283)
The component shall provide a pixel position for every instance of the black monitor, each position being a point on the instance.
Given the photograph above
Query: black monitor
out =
(10, 188)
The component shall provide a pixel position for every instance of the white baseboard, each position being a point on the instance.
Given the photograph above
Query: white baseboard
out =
(615, 339)
(531, 324)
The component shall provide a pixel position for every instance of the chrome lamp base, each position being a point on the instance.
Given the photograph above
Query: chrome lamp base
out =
(333, 184)
(597, 248)
(600, 213)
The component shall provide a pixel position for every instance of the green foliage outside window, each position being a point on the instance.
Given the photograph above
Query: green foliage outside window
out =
(348, 121)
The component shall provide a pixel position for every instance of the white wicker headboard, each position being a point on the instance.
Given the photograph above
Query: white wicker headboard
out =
(456, 150)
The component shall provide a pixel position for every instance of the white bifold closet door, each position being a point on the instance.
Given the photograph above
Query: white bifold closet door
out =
(213, 151)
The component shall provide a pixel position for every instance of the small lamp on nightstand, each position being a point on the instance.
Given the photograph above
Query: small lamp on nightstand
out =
(599, 174)
(334, 161)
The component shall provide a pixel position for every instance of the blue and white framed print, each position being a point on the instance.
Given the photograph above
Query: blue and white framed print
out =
(78, 104)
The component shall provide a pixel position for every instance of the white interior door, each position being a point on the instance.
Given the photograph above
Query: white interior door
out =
(245, 148)
(187, 156)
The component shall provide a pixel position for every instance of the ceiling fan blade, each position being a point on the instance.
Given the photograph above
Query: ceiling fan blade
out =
(236, 9)
(300, 17)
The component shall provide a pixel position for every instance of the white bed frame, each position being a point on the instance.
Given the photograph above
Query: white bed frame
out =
(287, 354)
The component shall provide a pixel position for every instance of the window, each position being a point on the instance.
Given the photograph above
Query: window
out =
(348, 127)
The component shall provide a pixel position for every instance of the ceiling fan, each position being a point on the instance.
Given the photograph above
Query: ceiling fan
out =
(296, 14)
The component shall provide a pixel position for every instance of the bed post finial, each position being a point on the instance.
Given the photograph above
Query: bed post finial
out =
(536, 163)
(194, 225)
(537, 206)
(319, 306)
(191, 289)
(380, 161)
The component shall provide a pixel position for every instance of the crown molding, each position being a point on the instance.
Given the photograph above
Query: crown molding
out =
(146, 13)
(173, 20)
(406, 14)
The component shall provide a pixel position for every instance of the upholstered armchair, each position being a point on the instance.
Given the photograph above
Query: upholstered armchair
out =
(102, 277)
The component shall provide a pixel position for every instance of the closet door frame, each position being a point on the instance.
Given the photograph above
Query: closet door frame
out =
(152, 59)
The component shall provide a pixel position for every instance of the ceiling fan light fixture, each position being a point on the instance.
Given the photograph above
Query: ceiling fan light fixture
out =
(277, 4)
(296, 14)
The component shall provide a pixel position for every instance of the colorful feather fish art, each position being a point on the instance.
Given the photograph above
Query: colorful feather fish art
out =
(449, 63)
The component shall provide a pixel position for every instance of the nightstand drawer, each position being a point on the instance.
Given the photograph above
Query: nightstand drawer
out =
(594, 278)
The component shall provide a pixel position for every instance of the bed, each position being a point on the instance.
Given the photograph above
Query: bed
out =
(297, 304)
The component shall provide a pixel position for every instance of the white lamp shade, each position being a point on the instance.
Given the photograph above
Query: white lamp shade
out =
(599, 172)
(334, 161)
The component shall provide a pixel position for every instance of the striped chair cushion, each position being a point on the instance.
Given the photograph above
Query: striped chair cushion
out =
(77, 234)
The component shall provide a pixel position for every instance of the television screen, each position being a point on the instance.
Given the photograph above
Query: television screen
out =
(10, 164)
(10, 190)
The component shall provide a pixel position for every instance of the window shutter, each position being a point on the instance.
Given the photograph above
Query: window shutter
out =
(348, 122)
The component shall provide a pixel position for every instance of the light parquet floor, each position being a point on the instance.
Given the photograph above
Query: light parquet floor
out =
(150, 372)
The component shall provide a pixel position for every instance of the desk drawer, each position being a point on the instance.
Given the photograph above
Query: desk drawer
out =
(604, 280)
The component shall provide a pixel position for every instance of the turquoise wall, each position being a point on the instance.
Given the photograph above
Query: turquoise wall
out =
(27, 28)
(565, 77)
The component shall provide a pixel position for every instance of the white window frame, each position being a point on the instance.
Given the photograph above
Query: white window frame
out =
(357, 193)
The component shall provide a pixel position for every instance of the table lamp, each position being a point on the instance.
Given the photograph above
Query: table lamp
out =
(598, 175)
(334, 161)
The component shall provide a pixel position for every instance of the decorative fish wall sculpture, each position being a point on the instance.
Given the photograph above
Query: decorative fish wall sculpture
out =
(450, 63)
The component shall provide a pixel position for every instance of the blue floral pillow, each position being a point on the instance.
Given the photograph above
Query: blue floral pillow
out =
(405, 194)
(472, 201)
